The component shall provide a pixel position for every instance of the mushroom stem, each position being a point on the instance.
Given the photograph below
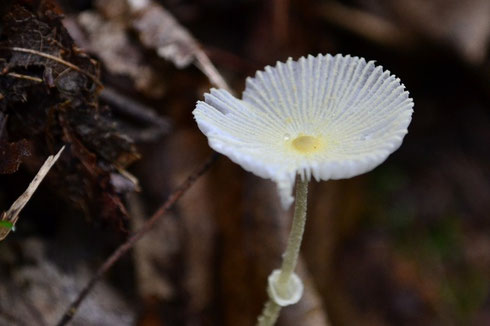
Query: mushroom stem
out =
(285, 287)
(290, 257)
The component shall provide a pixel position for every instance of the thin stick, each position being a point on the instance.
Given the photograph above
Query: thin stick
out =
(12, 214)
(54, 58)
(124, 248)
(27, 77)
(208, 69)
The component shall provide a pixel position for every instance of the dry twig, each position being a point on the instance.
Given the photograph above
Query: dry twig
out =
(124, 248)
(10, 217)
(26, 77)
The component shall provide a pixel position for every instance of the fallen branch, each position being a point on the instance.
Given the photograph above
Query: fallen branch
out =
(9, 218)
(124, 248)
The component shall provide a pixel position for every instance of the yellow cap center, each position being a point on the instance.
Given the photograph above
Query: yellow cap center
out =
(306, 144)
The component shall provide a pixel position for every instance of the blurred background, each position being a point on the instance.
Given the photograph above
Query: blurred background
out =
(406, 244)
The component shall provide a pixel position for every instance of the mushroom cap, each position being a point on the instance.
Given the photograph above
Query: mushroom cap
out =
(326, 117)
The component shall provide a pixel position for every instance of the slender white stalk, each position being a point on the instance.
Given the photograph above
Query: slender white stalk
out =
(270, 313)
(290, 257)
(282, 286)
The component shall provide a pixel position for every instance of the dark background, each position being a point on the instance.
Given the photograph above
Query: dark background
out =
(406, 244)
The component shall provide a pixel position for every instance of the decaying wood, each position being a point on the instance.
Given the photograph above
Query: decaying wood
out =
(62, 109)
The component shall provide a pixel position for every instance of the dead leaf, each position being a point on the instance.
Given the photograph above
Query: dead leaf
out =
(36, 292)
(11, 154)
(159, 30)
(110, 40)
